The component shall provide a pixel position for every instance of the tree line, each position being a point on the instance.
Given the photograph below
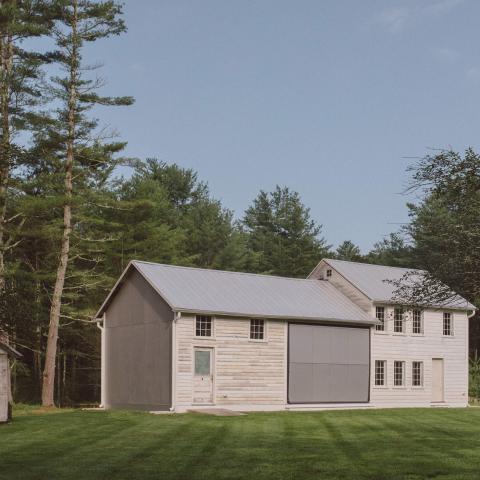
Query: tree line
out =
(69, 223)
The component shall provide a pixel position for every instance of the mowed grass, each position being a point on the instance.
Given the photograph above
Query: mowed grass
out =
(357, 444)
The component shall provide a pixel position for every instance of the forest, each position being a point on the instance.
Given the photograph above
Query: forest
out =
(70, 221)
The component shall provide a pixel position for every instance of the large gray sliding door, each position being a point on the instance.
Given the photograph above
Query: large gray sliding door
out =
(328, 364)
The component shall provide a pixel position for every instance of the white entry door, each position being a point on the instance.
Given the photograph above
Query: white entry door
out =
(203, 376)
(437, 380)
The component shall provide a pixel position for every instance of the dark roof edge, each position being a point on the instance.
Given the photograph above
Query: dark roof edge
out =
(10, 350)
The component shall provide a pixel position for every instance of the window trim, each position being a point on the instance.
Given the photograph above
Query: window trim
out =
(265, 331)
(404, 374)
(204, 337)
(451, 326)
(385, 374)
(422, 375)
(422, 322)
(404, 326)
(384, 330)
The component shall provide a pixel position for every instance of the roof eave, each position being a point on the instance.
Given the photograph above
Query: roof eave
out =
(364, 321)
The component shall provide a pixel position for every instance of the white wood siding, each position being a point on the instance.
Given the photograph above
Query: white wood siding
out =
(342, 284)
(3, 387)
(246, 372)
(407, 347)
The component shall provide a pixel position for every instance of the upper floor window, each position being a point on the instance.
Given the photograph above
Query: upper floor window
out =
(257, 329)
(329, 273)
(417, 374)
(203, 326)
(380, 372)
(447, 324)
(417, 322)
(398, 321)
(380, 315)
(398, 374)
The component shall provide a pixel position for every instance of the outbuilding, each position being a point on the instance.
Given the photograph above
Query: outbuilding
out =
(6, 353)
(174, 338)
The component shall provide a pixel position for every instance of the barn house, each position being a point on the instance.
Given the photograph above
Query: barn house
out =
(174, 338)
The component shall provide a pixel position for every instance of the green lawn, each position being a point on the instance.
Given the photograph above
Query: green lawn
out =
(376, 444)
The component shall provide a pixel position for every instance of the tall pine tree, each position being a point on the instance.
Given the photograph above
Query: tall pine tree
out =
(71, 142)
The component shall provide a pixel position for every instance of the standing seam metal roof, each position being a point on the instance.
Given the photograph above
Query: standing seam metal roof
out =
(219, 292)
(373, 281)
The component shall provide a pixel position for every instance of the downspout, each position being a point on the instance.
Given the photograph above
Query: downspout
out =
(103, 390)
(469, 316)
(176, 316)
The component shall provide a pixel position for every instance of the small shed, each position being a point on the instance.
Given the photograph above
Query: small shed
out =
(6, 352)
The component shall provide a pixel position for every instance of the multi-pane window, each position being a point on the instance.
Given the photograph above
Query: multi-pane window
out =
(380, 371)
(417, 322)
(398, 321)
(329, 273)
(203, 326)
(380, 315)
(447, 324)
(257, 329)
(398, 373)
(417, 374)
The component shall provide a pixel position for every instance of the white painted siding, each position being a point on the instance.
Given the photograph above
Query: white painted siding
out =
(407, 347)
(3, 387)
(246, 372)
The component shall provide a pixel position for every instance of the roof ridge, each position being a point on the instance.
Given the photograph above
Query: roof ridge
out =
(371, 264)
(232, 272)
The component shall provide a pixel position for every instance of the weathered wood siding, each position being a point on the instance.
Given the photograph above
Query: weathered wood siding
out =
(3, 387)
(245, 371)
(407, 347)
(342, 284)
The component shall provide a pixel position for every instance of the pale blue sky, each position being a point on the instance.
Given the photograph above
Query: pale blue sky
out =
(326, 97)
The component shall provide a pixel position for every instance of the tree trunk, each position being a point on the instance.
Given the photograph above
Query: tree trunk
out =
(6, 54)
(48, 387)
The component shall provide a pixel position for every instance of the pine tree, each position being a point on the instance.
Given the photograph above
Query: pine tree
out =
(348, 251)
(20, 20)
(281, 231)
(68, 138)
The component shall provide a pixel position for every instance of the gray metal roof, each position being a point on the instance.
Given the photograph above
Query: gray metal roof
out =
(372, 280)
(218, 292)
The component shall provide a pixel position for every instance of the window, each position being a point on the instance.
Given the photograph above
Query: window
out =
(380, 315)
(417, 374)
(329, 273)
(398, 374)
(202, 362)
(203, 326)
(417, 323)
(398, 321)
(257, 329)
(380, 367)
(447, 324)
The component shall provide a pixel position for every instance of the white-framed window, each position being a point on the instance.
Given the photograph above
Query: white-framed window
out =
(329, 273)
(203, 326)
(257, 329)
(417, 374)
(417, 322)
(380, 316)
(380, 373)
(398, 320)
(398, 373)
(447, 324)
